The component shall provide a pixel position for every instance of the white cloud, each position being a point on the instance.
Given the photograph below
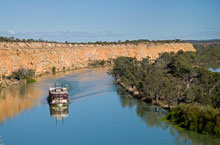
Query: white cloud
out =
(11, 32)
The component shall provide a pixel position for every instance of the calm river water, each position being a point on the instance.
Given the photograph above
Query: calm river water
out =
(99, 114)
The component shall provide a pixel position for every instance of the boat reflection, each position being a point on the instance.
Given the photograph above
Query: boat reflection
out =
(59, 111)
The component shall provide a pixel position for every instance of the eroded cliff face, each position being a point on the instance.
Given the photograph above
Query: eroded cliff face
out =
(43, 56)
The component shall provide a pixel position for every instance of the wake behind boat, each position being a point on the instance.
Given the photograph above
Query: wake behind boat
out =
(58, 95)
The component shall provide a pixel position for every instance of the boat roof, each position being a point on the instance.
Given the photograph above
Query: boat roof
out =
(58, 90)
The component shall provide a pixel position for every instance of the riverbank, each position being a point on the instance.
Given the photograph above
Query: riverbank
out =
(9, 82)
(193, 117)
(31, 78)
(172, 80)
(12, 81)
(21, 76)
(139, 95)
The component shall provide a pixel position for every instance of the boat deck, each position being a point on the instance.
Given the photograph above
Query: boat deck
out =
(58, 91)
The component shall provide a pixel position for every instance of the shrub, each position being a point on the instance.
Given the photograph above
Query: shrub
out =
(198, 118)
(97, 63)
(24, 74)
(29, 79)
(21, 73)
(53, 69)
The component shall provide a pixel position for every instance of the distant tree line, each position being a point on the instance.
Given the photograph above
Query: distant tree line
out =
(205, 44)
(12, 39)
(136, 41)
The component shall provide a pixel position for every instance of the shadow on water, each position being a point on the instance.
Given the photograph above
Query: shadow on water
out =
(152, 116)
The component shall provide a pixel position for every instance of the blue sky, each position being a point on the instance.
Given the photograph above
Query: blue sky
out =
(109, 20)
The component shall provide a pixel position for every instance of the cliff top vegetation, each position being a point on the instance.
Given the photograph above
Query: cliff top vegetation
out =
(12, 39)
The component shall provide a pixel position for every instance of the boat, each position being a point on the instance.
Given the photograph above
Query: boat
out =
(58, 95)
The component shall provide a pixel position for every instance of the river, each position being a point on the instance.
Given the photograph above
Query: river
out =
(215, 70)
(100, 113)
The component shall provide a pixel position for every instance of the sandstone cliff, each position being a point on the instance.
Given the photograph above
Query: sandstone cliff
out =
(43, 56)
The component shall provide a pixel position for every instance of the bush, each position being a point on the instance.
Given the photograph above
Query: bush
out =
(29, 79)
(53, 69)
(97, 63)
(24, 74)
(198, 118)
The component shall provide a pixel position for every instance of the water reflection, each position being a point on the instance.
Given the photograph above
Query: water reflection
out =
(59, 112)
(1, 141)
(16, 99)
(93, 95)
(152, 116)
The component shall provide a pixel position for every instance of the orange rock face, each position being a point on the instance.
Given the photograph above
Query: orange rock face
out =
(43, 56)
